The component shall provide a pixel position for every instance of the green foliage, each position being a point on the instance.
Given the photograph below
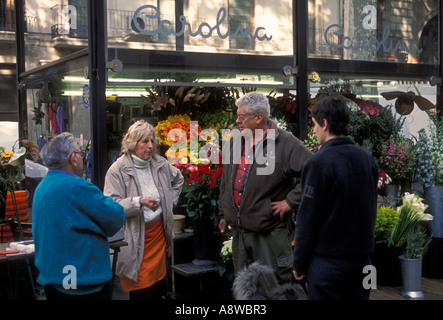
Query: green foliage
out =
(312, 142)
(417, 242)
(429, 166)
(201, 202)
(283, 108)
(387, 219)
(171, 100)
(372, 130)
(218, 120)
(408, 220)
(11, 169)
(397, 158)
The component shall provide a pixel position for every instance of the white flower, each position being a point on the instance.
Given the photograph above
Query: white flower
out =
(414, 201)
(226, 250)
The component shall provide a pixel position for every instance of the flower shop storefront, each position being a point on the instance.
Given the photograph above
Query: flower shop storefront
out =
(116, 63)
(173, 62)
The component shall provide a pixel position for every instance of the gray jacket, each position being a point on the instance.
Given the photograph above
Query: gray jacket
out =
(121, 183)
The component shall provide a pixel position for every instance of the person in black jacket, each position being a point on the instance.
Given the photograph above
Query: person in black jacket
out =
(334, 233)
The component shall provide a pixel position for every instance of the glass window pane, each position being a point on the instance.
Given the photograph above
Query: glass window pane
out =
(58, 102)
(54, 29)
(390, 31)
(365, 90)
(229, 26)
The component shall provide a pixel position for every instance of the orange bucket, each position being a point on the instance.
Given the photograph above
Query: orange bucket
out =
(21, 200)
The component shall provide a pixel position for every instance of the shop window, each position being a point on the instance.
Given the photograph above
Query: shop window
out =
(7, 15)
(383, 30)
(242, 12)
(54, 31)
(70, 20)
(242, 27)
(367, 96)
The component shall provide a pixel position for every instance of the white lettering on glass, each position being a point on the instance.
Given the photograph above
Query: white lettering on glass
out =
(205, 30)
(371, 44)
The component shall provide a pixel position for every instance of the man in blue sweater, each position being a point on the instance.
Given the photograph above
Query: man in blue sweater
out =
(334, 233)
(72, 221)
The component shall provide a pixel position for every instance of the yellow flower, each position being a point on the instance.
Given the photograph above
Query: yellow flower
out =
(7, 154)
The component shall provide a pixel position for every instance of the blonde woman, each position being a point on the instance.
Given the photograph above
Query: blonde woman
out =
(148, 187)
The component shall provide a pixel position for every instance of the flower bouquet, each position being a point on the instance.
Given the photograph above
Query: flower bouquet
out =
(11, 171)
(412, 212)
(176, 131)
(202, 187)
(371, 124)
(430, 154)
(397, 158)
(311, 142)
(227, 266)
(163, 101)
(202, 190)
(383, 179)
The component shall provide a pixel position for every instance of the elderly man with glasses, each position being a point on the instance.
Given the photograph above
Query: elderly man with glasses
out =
(72, 221)
(258, 195)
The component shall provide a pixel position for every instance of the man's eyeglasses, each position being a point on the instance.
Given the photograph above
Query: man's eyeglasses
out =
(242, 117)
(81, 153)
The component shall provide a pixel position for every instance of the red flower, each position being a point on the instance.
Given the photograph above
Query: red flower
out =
(194, 174)
(212, 183)
(206, 170)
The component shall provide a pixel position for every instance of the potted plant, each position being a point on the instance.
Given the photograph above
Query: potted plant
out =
(397, 159)
(371, 124)
(430, 170)
(412, 238)
(201, 199)
(417, 241)
(430, 173)
(384, 257)
(163, 101)
(11, 171)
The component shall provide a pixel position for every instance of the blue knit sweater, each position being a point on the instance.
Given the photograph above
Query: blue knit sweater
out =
(72, 221)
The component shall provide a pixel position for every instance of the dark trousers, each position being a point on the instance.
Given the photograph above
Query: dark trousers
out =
(337, 278)
(154, 292)
(53, 294)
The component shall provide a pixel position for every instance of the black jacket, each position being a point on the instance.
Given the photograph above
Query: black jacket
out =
(339, 206)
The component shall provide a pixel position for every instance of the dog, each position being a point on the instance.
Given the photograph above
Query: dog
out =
(248, 286)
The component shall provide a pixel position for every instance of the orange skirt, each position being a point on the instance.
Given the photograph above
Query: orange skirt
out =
(153, 267)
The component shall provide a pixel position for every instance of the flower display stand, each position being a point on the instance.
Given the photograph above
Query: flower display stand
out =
(204, 243)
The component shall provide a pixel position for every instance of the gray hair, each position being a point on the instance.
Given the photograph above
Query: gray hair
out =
(55, 153)
(255, 103)
(136, 132)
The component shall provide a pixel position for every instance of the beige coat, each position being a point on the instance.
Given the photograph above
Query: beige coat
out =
(121, 183)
